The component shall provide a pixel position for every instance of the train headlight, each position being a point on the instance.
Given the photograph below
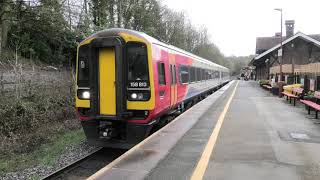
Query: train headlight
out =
(134, 96)
(86, 95)
(140, 96)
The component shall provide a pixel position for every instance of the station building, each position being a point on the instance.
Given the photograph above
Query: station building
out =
(300, 58)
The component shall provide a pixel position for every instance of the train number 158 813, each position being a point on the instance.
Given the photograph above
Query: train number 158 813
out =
(139, 84)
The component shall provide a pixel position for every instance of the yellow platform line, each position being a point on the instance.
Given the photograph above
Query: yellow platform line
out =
(199, 171)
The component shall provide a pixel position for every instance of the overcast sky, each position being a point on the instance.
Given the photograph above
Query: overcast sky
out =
(235, 24)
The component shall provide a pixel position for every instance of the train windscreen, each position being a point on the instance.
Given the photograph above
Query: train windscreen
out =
(138, 75)
(137, 62)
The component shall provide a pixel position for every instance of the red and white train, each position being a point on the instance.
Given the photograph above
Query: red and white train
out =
(127, 80)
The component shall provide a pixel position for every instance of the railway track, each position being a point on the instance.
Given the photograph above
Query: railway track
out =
(88, 165)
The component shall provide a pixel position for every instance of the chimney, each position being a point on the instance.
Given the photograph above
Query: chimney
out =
(289, 28)
(277, 34)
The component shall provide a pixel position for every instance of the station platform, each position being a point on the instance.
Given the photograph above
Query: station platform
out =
(239, 132)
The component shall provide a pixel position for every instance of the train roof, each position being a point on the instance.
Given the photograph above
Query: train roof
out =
(116, 31)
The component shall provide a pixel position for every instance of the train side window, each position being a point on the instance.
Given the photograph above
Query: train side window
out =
(202, 75)
(161, 74)
(184, 74)
(206, 72)
(192, 74)
(195, 74)
(217, 74)
(198, 74)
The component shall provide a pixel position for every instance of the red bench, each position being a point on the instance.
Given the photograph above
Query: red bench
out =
(313, 105)
(296, 92)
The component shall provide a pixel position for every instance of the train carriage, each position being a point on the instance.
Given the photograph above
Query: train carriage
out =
(127, 80)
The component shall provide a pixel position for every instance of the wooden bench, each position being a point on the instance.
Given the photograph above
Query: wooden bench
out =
(311, 104)
(266, 86)
(296, 92)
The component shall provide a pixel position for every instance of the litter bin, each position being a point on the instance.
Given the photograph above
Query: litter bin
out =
(275, 90)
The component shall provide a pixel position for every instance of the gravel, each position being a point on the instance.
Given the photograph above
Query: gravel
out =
(72, 153)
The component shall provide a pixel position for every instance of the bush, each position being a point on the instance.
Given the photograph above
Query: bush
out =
(310, 94)
(263, 82)
(36, 112)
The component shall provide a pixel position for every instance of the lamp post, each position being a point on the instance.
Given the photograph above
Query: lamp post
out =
(281, 51)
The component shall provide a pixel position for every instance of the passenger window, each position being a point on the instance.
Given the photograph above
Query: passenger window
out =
(207, 74)
(184, 74)
(192, 74)
(198, 74)
(217, 74)
(202, 75)
(161, 74)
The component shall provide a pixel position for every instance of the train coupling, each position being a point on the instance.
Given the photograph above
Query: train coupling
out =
(109, 133)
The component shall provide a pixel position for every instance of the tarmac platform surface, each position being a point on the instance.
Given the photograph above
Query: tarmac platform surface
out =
(251, 134)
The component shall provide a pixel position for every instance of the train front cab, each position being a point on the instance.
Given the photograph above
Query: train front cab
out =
(115, 89)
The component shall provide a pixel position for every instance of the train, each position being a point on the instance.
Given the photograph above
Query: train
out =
(127, 81)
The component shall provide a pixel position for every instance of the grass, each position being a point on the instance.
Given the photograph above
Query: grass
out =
(46, 155)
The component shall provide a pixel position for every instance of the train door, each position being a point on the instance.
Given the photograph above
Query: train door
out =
(173, 81)
(107, 79)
